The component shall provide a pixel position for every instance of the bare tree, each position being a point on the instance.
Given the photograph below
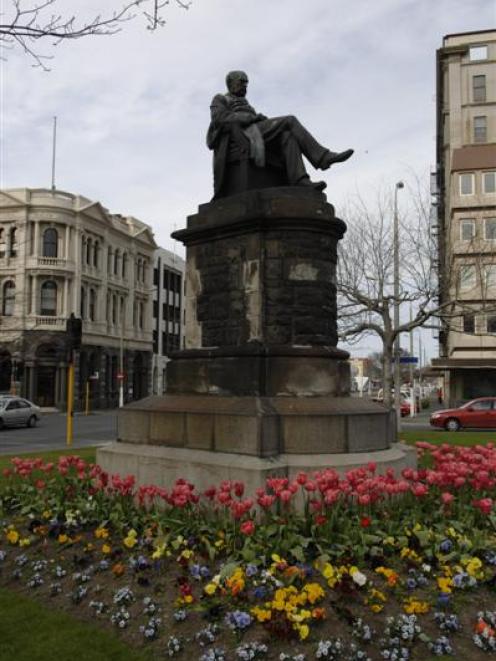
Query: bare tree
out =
(28, 21)
(365, 272)
(365, 275)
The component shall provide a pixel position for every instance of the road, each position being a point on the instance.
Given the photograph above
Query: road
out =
(50, 433)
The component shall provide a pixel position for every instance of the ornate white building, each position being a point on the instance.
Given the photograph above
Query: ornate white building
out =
(60, 254)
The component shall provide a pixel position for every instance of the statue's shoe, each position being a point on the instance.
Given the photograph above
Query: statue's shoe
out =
(331, 157)
(316, 185)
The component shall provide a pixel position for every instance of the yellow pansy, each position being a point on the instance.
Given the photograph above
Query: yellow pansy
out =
(101, 533)
(12, 536)
(131, 539)
(261, 614)
(210, 588)
(106, 549)
(412, 605)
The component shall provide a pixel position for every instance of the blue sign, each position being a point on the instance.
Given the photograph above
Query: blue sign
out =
(409, 359)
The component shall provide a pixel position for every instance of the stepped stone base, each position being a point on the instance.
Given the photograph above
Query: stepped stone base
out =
(258, 426)
(163, 465)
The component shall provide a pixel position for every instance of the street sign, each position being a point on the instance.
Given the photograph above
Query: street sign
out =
(409, 359)
(120, 376)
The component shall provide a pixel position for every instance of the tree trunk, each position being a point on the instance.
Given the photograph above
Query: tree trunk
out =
(387, 380)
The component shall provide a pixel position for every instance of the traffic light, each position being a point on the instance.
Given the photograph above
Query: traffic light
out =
(74, 329)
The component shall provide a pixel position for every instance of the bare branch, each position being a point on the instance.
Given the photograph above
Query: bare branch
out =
(30, 23)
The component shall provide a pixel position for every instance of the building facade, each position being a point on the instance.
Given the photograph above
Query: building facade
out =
(466, 192)
(62, 254)
(168, 313)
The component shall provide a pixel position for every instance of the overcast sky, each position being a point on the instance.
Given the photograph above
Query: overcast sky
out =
(133, 108)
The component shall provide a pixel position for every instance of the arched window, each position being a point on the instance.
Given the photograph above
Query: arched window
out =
(96, 254)
(92, 311)
(124, 266)
(89, 246)
(49, 298)
(2, 243)
(50, 242)
(82, 309)
(8, 298)
(13, 242)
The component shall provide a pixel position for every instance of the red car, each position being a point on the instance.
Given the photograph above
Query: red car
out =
(479, 413)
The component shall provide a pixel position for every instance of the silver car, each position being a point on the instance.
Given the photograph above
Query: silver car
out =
(16, 411)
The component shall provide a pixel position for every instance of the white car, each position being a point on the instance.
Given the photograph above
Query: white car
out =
(16, 411)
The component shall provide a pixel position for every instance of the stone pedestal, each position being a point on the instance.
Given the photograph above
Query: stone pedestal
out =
(261, 387)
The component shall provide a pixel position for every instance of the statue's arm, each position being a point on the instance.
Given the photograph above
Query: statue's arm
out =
(223, 117)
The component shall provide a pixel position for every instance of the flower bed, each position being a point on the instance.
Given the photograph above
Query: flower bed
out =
(375, 566)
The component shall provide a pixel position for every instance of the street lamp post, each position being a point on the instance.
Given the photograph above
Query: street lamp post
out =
(396, 278)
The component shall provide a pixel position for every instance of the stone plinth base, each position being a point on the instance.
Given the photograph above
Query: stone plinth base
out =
(162, 466)
(258, 426)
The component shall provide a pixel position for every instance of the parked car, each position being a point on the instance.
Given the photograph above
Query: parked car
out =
(478, 413)
(16, 411)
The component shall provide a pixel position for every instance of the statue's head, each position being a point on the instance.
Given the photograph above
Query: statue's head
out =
(237, 82)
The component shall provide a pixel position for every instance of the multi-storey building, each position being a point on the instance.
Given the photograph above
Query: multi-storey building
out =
(466, 190)
(168, 313)
(62, 254)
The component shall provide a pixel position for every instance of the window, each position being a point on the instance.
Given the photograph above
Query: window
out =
(489, 182)
(122, 311)
(124, 266)
(8, 299)
(50, 243)
(141, 315)
(92, 310)
(469, 323)
(467, 229)
(490, 275)
(13, 242)
(48, 299)
(116, 263)
(166, 279)
(477, 53)
(2, 243)
(480, 129)
(467, 184)
(155, 310)
(155, 341)
(485, 405)
(479, 89)
(467, 276)
(491, 324)
(490, 229)
(109, 261)
(155, 277)
(96, 254)
(82, 309)
(114, 309)
(89, 245)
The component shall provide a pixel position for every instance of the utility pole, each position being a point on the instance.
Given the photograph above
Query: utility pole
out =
(396, 279)
(121, 360)
(413, 398)
(54, 149)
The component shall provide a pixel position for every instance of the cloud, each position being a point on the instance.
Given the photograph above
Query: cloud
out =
(133, 108)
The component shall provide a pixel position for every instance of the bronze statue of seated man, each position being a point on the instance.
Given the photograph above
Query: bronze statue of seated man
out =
(237, 131)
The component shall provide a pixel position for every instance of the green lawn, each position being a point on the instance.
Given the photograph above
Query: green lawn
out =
(86, 453)
(437, 437)
(30, 632)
